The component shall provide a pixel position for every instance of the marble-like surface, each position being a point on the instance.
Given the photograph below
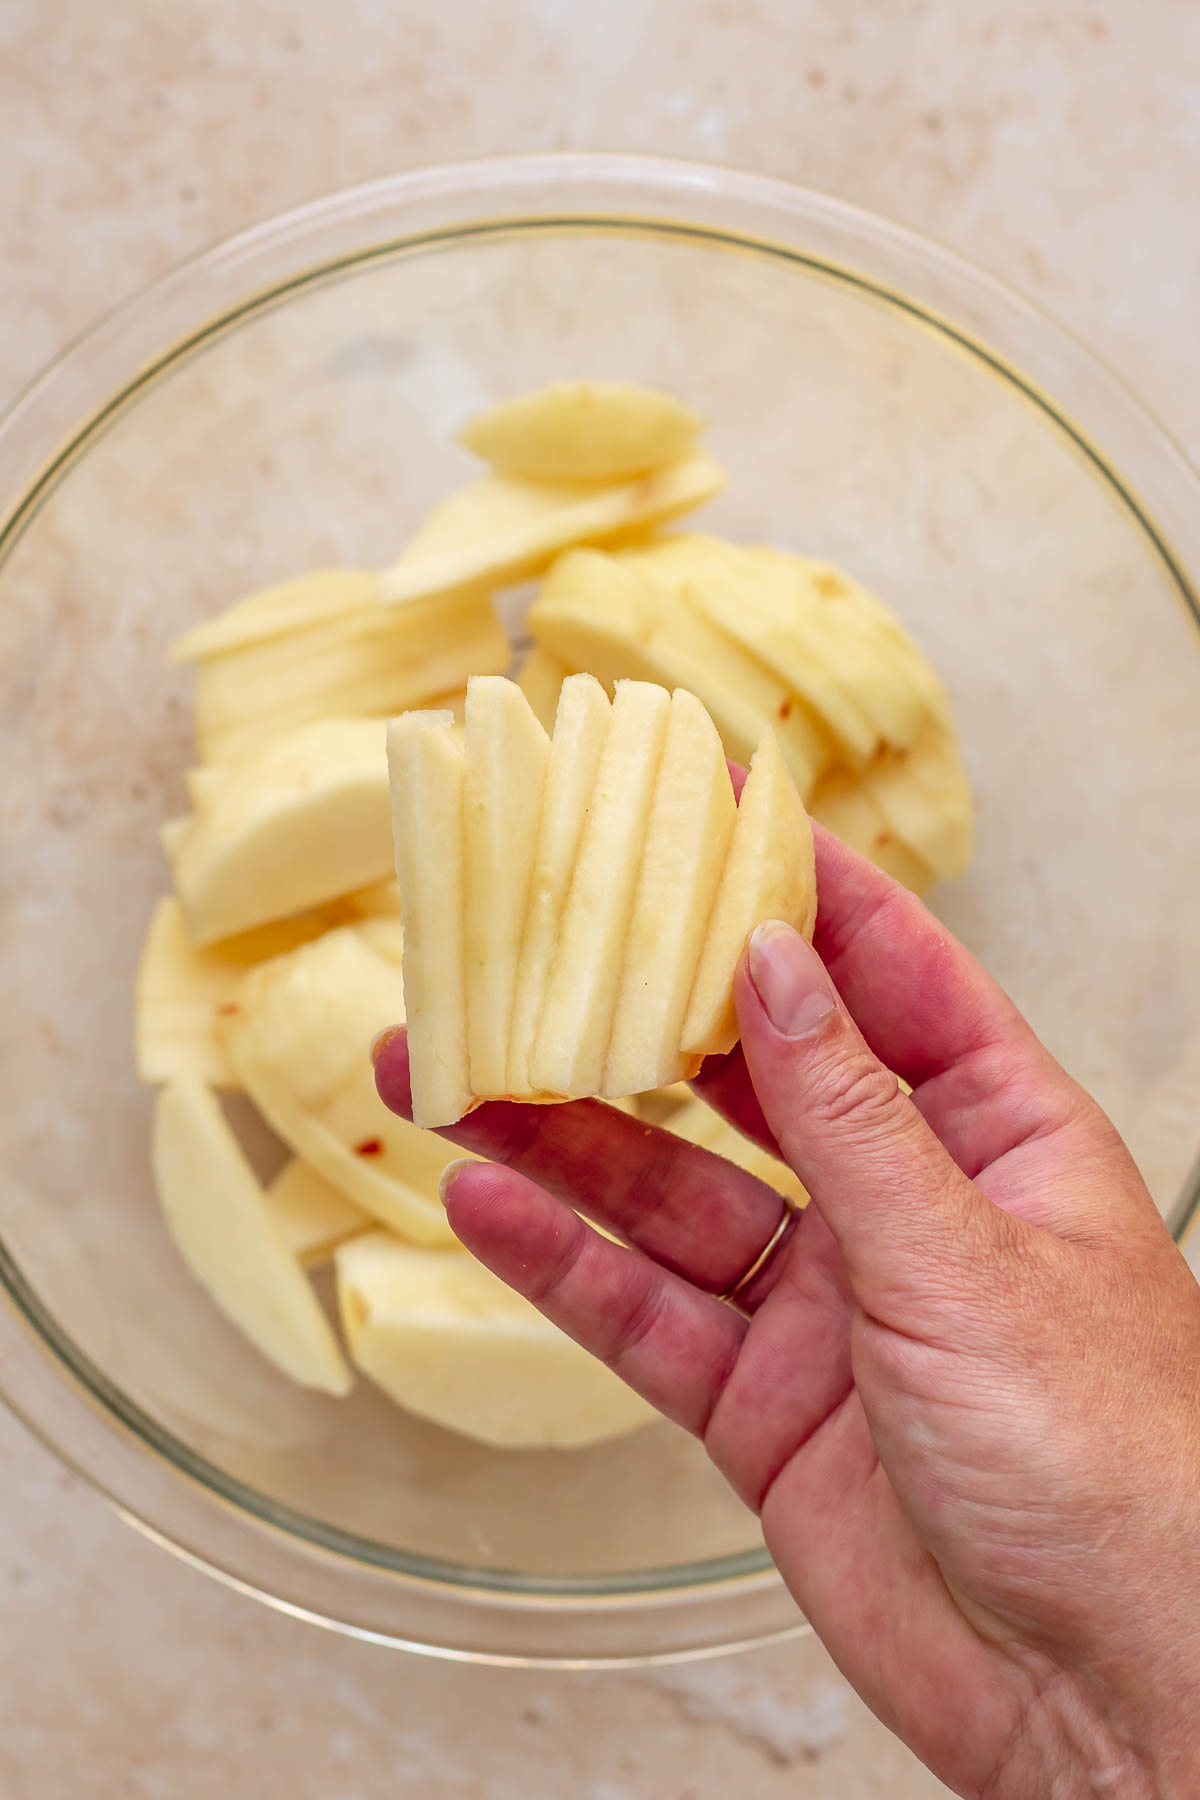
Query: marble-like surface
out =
(1057, 145)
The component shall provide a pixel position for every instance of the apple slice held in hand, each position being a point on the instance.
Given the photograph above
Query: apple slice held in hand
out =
(580, 732)
(567, 1058)
(687, 839)
(768, 874)
(506, 752)
(643, 881)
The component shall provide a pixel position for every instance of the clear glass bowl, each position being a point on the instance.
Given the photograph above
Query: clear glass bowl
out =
(287, 400)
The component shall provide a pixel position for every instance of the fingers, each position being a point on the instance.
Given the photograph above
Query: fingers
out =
(689, 1209)
(673, 1345)
(904, 1216)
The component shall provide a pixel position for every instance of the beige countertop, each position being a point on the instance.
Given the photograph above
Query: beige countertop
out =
(1059, 146)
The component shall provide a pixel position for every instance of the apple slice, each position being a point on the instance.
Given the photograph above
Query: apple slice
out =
(180, 988)
(844, 806)
(569, 1049)
(311, 1217)
(427, 778)
(506, 754)
(580, 733)
(219, 1218)
(613, 615)
(691, 822)
(583, 431)
(502, 530)
(368, 661)
(308, 600)
(447, 1340)
(540, 678)
(769, 874)
(303, 821)
(924, 795)
(297, 1037)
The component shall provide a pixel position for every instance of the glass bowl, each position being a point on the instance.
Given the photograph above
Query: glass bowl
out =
(287, 400)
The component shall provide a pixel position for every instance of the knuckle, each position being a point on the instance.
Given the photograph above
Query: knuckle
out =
(855, 1089)
(638, 1324)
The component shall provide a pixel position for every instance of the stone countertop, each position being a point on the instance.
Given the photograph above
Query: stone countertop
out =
(1059, 146)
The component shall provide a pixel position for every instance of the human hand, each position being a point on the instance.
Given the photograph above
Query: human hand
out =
(962, 1393)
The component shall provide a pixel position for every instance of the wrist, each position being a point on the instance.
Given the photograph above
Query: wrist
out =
(1076, 1745)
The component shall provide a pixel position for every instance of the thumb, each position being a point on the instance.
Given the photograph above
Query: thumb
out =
(909, 1224)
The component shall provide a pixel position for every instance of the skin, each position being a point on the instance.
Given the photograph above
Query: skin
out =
(963, 1393)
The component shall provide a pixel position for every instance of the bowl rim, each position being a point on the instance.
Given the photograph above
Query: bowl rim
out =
(173, 1496)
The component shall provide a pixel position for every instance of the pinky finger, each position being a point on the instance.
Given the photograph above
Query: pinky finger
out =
(673, 1344)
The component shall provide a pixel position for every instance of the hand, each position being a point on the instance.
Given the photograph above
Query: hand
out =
(963, 1393)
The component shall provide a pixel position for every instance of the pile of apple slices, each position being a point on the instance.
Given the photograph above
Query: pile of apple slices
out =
(862, 719)
(575, 906)
(605, 879)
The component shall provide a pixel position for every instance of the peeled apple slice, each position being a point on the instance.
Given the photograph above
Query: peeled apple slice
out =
(501, 530)
(569, 1049)
(844, 806)
(310, 599)
(311, 1217)
(219, 1218)
(924, 795)
(769, 874)
(427, 768)
(367, 661)
(447, 1340)
(298, 1040)
(583, 431)
(580, 733)
(540, 679)
(612, 615)
(181, 989)
(303, 821)
(506, 752)
(691, 822)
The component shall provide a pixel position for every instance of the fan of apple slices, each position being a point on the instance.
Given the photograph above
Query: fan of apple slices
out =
(575, 906)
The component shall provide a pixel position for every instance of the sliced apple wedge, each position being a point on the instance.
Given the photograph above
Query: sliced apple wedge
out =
(924, 794)
(311, 1217)
(299, 823)
(540, 679)
(844, 806)
(580, 733)
(506, 753)
(691, 822)
(583, 431)
(219, 1218)
(181, 988)
(427, 769)
(769, 874)
(447, 1340)
(290, 605)
(502, 530)
(569, 1049)
(614, 616)
(367, 661)
(297, 1038)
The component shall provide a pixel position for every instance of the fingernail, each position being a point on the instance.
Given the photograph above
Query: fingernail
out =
(790, 979)
(448, 1174)
(382, 1039)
